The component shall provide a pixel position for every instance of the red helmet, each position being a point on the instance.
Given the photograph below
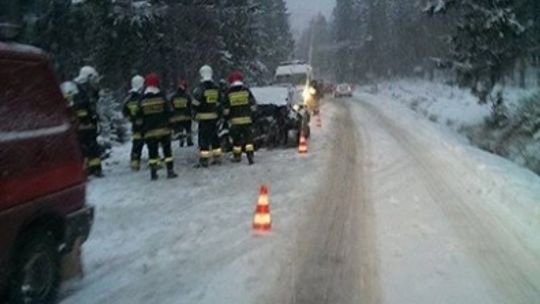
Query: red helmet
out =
(151, 80)
(183, 84)
(235, 76)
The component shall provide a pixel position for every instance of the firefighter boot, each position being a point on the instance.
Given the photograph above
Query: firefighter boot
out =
(203, 163)
(135, 165)
(237, 154)
(170, 171)
(217, 153)
(98, 172)
(153, 173)
(182, 140)
(250, 157)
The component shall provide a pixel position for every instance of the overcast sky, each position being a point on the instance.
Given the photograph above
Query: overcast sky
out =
(303, 10)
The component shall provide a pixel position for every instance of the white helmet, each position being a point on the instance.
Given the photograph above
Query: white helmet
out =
(87, 74)
(137, 83)
(69, 89)
(206, 73)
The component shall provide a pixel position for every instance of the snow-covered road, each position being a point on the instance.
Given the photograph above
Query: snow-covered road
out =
(443, 234)
(387, 208)
(334, 260)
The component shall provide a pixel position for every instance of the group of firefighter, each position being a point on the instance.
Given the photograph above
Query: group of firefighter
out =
(156, 118)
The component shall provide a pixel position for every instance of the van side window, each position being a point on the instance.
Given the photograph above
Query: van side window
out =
(29, 96)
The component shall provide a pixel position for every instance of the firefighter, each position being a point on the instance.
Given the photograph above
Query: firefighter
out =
(311, 98)
(181, 119)
(155, 113)
(69, 90)
(86, 118)
(206, 109)
(239, 107)
(131, 111)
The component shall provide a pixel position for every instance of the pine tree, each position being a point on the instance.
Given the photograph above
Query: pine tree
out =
(275, 42)
(344, 16)
(486, 42)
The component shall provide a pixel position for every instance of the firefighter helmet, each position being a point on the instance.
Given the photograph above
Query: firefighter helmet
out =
(151, 80)
(206, 73)
(87, 74)
(235, 76)
(137, 83)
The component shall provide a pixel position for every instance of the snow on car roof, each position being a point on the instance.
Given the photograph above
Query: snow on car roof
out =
(20, 48)
(271, 95)
(293, 69)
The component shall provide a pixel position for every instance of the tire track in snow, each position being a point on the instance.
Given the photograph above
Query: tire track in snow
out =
(335, 260)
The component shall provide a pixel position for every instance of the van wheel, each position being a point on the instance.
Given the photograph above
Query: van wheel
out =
(37, 274)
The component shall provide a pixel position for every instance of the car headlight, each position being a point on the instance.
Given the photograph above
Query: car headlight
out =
(305, 94)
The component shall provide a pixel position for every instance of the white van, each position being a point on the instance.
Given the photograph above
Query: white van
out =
(296, 75)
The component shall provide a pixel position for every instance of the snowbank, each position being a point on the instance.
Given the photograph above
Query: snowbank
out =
(442, 103)
(459, 110)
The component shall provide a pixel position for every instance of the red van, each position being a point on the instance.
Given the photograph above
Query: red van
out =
(43, 214)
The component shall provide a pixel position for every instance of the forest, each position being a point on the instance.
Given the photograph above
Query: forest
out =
(171, 37)
(478, 43)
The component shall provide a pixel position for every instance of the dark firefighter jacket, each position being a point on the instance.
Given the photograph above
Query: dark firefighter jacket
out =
(181, 105)
(239, 106)
(131, 110)
(207, 101)
(155, 114)
(84, 109)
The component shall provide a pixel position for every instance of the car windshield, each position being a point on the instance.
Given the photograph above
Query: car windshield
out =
(269, 151)
(294, 79)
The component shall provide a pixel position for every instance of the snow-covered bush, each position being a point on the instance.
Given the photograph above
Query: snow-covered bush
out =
(516, 137)
(112, 123)
(499, 117)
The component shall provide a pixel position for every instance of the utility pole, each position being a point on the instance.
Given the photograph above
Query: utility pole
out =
(311, 47)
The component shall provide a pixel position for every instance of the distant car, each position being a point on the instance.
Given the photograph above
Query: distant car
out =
(343, 90)
(43, 213)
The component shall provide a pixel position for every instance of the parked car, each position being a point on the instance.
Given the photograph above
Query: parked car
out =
(43, 213)
(343, 90)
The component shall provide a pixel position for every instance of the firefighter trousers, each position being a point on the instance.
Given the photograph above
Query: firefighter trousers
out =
(137, 144)
(90, 150)
(242, 136)
(153, 144)
(208, 140)
(183, 130)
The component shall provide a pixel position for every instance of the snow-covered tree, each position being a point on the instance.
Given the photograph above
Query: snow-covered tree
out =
(486, 42)
(112, 123)
(173, 38)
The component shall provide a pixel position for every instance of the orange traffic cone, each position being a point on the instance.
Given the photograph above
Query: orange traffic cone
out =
(303, 146)
(319, 121)
(262, 221)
